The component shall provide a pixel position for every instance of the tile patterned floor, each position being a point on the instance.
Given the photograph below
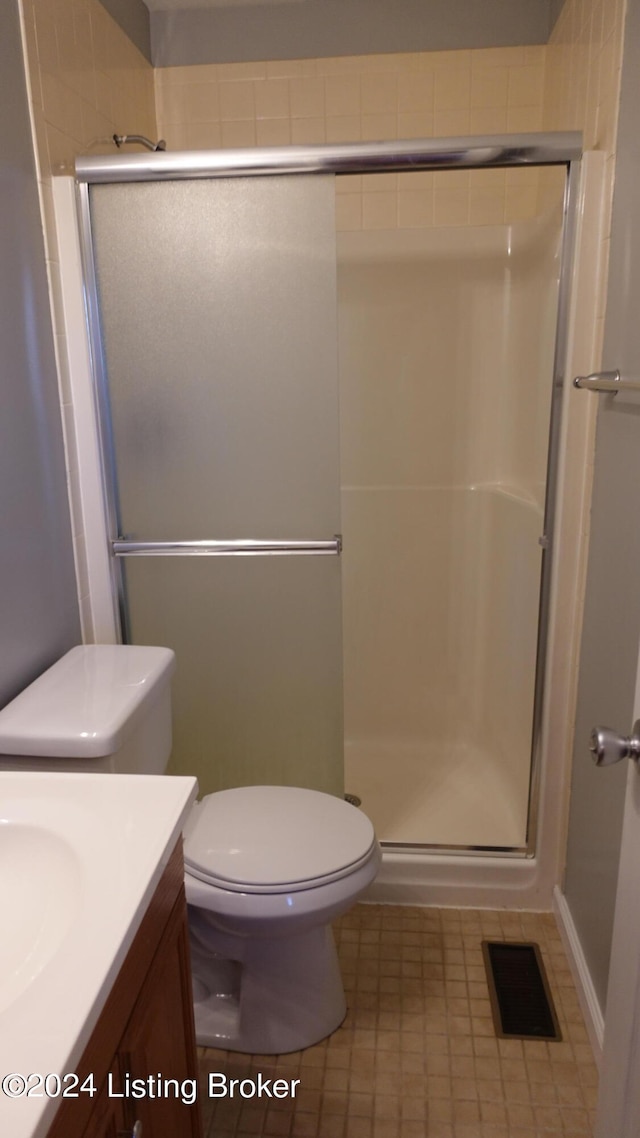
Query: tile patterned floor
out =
(417, 1056)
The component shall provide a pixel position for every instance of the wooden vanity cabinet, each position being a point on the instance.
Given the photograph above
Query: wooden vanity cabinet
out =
(145, 1029)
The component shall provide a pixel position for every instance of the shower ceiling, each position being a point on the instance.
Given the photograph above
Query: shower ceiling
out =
(185, 32)
(185, 5)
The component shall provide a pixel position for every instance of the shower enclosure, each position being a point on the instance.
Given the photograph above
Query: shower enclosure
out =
(330, 464)
(447, 340)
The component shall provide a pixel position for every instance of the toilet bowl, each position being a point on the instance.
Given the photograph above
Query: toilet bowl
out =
(267, 868)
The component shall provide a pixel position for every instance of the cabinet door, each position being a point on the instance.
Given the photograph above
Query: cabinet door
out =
(158, 1044)
(108, 1118)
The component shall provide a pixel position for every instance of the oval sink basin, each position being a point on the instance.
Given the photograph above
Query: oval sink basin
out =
(40, 894)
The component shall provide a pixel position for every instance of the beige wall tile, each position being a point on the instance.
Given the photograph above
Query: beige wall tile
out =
(175, 136)
(272, 99)
(489, 86)
(524, 119)
(203, 136)
(379, 94)
(46, 39)
(342, 95)
(348, 212)
(488, 120)
(453, 180)
(273, 132)
(451, 123)
(349, 184)
(379, 210)
(170, 104)
(88, 81)
(415, 209)
(238, 134)
(379, 128)
(289, 68)
(239, 71)
(451, 207)
(377, 183)
(343, 128)
(446, 60)
(416, 91)
(415, 124)
(197, 73)
(237, 101)
(308, 131)
(502, 56)
(526, 86)
(417, 180)
(307, 98)
(370, 98)
(520, 202)
(452, 89)
(480, 179)
(486, 206)
(201, 102)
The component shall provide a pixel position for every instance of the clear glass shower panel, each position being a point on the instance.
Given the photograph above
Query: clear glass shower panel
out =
(218, 313)
(447, 335)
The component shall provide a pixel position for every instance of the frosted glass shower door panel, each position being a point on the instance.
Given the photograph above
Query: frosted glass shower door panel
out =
(218, 304)
(218, 318)
(258, 650)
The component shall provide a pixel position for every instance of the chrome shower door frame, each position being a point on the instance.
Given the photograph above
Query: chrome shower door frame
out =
(474, 152)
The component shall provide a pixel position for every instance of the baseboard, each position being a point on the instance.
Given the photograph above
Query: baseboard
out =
(594, 1020)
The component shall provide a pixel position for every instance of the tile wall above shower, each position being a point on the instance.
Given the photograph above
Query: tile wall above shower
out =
(88, 81)
(365, 98)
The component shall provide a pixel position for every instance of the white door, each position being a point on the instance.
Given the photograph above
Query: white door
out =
(619, 1100)
(610, 657)
(618, 488)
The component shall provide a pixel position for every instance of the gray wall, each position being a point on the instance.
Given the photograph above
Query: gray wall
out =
(344, 27)
(556, 8)
(133, 18)
(38, 607)
(612, 614)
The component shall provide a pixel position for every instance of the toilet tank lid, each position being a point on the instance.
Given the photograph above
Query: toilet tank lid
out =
(87, 703)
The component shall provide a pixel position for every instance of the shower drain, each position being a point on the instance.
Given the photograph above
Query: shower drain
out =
(353, 799)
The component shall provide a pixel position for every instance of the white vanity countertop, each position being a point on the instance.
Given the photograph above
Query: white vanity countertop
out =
(80, 858)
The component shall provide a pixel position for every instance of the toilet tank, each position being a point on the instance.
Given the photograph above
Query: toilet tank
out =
(101, 708)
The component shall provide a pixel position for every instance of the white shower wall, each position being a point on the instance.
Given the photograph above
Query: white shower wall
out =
(446, 356)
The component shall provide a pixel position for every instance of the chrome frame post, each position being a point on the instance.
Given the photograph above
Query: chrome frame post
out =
(103, 409)
(551, 493)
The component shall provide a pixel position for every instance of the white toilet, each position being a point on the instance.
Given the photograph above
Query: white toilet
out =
(267, 867)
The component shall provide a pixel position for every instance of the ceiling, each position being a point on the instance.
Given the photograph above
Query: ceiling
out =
(187, 32)
(189, 5)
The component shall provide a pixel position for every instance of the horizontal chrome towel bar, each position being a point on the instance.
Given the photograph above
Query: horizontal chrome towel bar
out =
(609, 381)
(241, 547)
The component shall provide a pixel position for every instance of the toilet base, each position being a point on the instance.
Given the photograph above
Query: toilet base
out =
(267, 996)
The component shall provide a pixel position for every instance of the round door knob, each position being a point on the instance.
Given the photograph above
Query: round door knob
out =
(608, 747)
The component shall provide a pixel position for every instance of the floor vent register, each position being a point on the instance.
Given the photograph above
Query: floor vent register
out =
(521, 1001)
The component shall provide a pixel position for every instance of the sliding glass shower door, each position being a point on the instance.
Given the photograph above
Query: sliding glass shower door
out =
(217, 307)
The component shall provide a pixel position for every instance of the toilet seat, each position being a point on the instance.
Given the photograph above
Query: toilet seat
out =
(275, 839)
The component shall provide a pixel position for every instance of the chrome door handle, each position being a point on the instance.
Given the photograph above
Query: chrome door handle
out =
(608, 747)
(135, 1133)
(242, 547)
